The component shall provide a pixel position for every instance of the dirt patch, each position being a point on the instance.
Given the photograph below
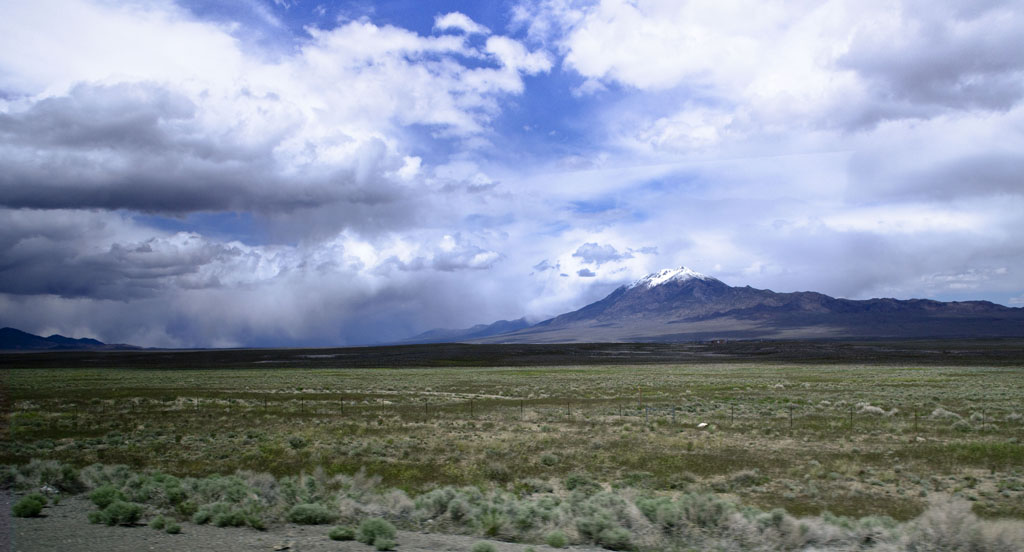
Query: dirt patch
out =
(66, 527)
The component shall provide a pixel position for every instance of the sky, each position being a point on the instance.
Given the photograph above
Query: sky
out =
(310, 173)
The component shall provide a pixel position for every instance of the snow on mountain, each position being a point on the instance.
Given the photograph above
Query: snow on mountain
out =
(669, 275)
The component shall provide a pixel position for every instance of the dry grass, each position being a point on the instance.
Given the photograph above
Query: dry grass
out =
(806, 429)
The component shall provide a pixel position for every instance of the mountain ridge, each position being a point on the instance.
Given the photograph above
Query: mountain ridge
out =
(674, 305)
(13, 339)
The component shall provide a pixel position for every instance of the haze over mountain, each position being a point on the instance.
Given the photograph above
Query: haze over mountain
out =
(684, 305)
(445, 335)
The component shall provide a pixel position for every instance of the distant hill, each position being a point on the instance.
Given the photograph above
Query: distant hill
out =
(12, 339)
(677, 305)
(476, 332)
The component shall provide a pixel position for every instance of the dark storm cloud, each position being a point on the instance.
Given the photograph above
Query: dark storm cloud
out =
(593, 253)
(943, 57)
(47, 257)
(141, 147)
(101, 117)
(335, 309)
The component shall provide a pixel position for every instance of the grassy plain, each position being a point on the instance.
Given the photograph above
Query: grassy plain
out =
(853, 429)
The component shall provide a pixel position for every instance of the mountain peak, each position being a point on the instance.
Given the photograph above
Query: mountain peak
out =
(669, 275)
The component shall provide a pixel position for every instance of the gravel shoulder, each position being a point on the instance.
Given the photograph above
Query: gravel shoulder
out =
(66, 527)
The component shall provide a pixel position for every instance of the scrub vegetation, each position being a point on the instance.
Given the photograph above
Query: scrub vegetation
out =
(794, 454)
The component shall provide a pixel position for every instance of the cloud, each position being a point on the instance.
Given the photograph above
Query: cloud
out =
(593, 253)
(545, 266)
(950, 58)
(234, 131)
(452, 252)
(89, 272)
(460, 22)
(107, 256)
(585, 273)
(739, 70)
(515, 57)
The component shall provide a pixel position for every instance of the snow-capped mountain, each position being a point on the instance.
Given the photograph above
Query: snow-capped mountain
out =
(680, 304)
(680, 274)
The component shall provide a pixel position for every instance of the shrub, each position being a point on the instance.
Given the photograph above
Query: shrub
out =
(436, 502)
(548, 459)
(615, 538)
(943, 413)
(483, 547)
(747, 478)
(52, 473)
(187, 508)
(524, 515)
(690, 510)
(158, 523)
(28, 506)
(963, 426)
(498, 472)
(458, 509)
(582, 483)
(946, 525)
(342, 533)
(311, 514)
(158, 489)
(117, 512)
(377, 532)
(104, 495)
(593, 525)
(172, 528)
(38, 497)
(532, 486)
(492, 521)
(222, 514)
(557, 539)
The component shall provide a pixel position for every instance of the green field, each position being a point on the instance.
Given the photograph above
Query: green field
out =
(854, 437)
